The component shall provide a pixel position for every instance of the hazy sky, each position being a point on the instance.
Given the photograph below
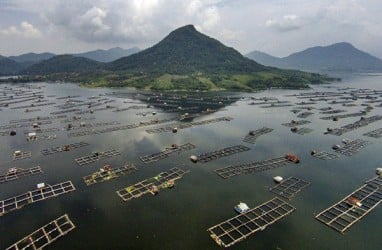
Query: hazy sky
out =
(278, 27)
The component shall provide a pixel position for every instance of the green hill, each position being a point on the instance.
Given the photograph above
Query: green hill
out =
(62, 64)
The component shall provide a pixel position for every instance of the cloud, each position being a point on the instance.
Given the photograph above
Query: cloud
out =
(285, 24)
(25, 29)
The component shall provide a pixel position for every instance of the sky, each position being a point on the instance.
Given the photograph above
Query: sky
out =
(277, 27)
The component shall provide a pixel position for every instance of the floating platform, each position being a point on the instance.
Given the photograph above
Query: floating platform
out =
(230, 171)
(40, 194)
(222, 153)
(162, 180)
(352, 147)
(342, 215)
(19, 155)
(187, 125)
(252, 136)
(352, 126)
(290, 187)
(63, 148)
(45, 235)
(302, 131)
(295, 123)
(105, 175)
(304, 114)
(167, 152)
(323, 155)
(238, 228)
(96, 156)
(38, 118)
(16, 173)
(375, 133)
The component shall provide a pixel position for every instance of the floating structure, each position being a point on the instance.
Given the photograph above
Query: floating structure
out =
(241, 208)
(222, 153)
(240, 227)
(16, 173)
(38, 118)
(301, 131)
(304, 114)
(152, 185)
(375, 133)
(41, 130)
(360, 113)
(352, 126)
(35, 137)
(342, 215)
(351, 147)
(187, 125)
(294, 123)
(254, 134)
(174, 148)
(323, 155)
(63, 148)
(19, 155)
(119, 128)
(96, 156)
(42, 192)
(107, 173)
(253, 167)
(290, 187)
(45, 235)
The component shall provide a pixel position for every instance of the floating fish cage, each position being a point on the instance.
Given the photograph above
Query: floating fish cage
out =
(290, 187)
(16, 173)
(63, 148)
(151, 185)
(230, 171)
(188, 125)
(108, 174)
(96, 156)
(323, 155)
(45, 235)
(240, 227)
(374, 134)
(20, 155)
(39, 194)
(167, 152)
(344, 214)
(294, 123)
(206, 157)
(254, 134)
(352, 147)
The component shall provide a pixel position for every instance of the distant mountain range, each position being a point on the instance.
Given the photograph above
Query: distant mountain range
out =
(184, 60)
(336, 57)
(16, 64)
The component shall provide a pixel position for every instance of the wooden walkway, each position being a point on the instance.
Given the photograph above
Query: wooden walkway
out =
(36, 195)
(323, 155)
(252, 136)
(206, 157)
(290, 187)
(16, 173)
(96, 156)
(22, 155)
(144, 187)
(167, 152)
(240, 227)
(187, 125)
(352, 147)
(106, 175)
(63, 148)
(342, 215)
(230, 171)
(45, 235)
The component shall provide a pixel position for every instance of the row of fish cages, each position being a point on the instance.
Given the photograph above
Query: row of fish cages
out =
(364, 121)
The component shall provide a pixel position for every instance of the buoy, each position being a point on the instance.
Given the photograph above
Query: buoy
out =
(194, 158)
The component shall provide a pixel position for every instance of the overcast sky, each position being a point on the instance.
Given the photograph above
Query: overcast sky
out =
(278, 27)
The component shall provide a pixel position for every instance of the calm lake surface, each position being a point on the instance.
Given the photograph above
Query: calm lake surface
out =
(178, 218)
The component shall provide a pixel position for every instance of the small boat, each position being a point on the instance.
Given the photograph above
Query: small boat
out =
(154, 190)
(354, 201)
(292, 158)
(106, 168)
(278, 179)
(241, 208)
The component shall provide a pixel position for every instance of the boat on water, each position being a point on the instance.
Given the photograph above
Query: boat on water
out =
(241, 208)
(292, 158)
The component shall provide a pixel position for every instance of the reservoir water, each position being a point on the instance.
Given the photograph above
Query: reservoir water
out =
(178, 218)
